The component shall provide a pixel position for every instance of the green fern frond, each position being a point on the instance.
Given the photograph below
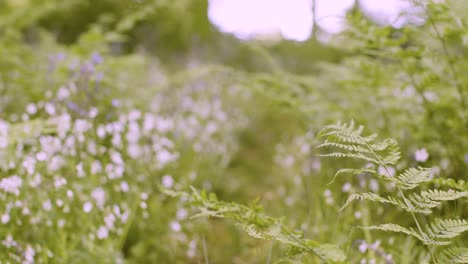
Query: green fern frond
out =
(371, 197)
(439, 195)
(446, 228)
(396, 228)
(456, 255)
(255, 223)
(350, 147)
(353, 172)
(391, 153)
(354, 145)
(413, 177)
(350, 155)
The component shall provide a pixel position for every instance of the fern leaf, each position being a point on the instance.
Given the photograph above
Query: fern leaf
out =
(350, 155)
(396, 228)
(421, 203)
(258, 225)
(369, 196)
(413, 177)
(439, 195)
(353, 172)
(456, 255)
(446, 228)
(353, 145)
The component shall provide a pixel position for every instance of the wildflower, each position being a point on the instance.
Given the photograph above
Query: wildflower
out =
(374, 185)
(63, 93)
(47, 205)
(109, 220)
(31, 109)
(87, 207)
(11, 184)
(9, 242)
(346, 187)
(175, 226)
(167, 181)
(102, 233)
(388, 171)
(124, 186)
(29, 255)
(5, 218)
(363, 247)
(96, 58)
(421, 155)
(99, 195)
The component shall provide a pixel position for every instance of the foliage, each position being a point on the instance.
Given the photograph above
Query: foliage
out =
(438, 231)
(103, 102)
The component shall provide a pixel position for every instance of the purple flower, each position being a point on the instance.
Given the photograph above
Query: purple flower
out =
(96, 58)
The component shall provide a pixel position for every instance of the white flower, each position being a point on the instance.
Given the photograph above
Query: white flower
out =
(99, 195)
(374, 185)
(87, 207)
(102, 232)
(63, 93)
(31, 109)
(388, 171)
(346, 187)
(5, 218)
(363, 247)
(11, 184)
(167, 181)
(47, 205)
(421, 155)
(41, 156)
(9, 242)
(29, 164)
(50, 109)
(175, 226)
(181, 213)
(29, 255)
(109, 220)
(81, 126)
(124, 186)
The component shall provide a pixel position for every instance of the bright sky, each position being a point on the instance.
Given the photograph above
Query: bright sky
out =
(293, 18)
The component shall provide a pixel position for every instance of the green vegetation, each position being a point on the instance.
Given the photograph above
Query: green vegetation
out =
(136, 132)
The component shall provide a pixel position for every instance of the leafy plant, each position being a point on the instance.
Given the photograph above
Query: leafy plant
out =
(252, 220)
(347, 140)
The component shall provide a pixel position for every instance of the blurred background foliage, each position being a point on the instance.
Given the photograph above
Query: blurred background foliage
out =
(408, 83)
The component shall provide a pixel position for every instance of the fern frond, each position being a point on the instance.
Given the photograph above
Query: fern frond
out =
(371, 197)
(413, 177)
(421, 203)
(396, 228)
(456, 255)
(255, 223)
(391, 153)
(439, 195)
(350, 155)
(353, 145)
(446, 228)
(353, 172)
(349, 147)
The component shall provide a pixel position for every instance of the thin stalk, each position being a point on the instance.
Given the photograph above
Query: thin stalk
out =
(205, 251)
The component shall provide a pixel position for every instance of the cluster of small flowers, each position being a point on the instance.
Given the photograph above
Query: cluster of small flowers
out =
(379, 253)
(84, 174)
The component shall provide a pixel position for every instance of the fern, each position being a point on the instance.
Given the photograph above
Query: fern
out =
(255, 223)
(350, 143)
(455, 255)
(413, 177)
